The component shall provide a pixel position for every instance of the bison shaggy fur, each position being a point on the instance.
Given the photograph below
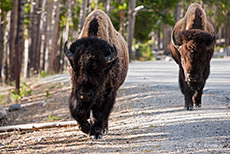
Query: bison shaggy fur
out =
(192, 47)
(98, 67)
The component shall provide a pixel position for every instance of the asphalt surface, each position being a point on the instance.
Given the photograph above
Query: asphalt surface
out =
(149, 115)
(166, 73)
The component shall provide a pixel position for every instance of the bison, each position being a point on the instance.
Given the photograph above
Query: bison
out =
(98, 67)
(192, 47)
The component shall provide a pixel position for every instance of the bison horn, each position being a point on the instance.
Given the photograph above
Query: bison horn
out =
(112, 56)
(68, 54)
(212, 43)
(173, 41)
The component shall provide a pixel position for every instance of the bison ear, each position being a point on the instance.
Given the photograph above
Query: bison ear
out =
(68, 54)
(211, 43)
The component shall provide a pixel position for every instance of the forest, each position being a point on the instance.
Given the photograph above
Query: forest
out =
(32, 32)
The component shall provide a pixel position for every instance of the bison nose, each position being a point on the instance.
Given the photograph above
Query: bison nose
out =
(86, 95)
(192, 77)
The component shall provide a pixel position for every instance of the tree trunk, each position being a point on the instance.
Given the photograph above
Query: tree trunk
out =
(50, 22)
(166, 39)
(108, 7)
(20, 32)
(131, 25)
(122, 20)
(159, 39)
(66, 31)
(7, 50)
(43, 31)
(19, 42)
(137, 54)
(30, 53)
(38, 37)
(26, 57)
(65, 34)
(61, 55)
(2, 29)
(31, 40)
(12, 39)
(227, 30)
(96, 4)
(46, 35)
(34, 55)
(82, 15)
(177, 13)
(55, 59)
(215, 19)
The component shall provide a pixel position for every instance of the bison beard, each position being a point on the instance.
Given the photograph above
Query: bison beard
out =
(93, 89)
(192, 46)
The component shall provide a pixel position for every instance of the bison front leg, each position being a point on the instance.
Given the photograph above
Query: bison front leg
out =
(188, 100)
(186, 91)
(101, 116)
(97, 127)
(198, 96)
(80, 117)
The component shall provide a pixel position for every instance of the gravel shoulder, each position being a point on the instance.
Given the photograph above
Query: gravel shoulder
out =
(148, 116)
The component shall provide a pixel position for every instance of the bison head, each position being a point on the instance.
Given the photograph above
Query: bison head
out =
(91, 60)
(195, 48)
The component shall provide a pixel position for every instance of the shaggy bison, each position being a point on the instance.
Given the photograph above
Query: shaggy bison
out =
(98, 67)
(192, 46)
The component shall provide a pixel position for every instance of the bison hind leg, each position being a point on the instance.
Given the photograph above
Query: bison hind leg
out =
(105, 127)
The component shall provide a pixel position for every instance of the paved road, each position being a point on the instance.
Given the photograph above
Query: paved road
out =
(205, 130)
(148, 117)
(166, 73)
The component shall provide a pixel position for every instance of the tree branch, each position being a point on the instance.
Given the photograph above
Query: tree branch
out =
(37, 126)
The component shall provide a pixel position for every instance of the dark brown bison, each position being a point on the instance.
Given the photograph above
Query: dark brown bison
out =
(192, 46)
(98, 67)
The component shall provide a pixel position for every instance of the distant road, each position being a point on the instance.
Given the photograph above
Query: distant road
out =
(166, 73)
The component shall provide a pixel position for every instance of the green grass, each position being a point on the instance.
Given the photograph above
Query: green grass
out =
(52, 118)
(1, 99)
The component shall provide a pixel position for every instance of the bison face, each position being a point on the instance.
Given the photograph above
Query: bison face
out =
(195, 49)
(91, 60)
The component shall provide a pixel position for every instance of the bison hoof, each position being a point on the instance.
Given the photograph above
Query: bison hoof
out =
(105, 132)
(96, 132)
(198, 105)
(97, 137)
(85, 128)
(188, 108)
